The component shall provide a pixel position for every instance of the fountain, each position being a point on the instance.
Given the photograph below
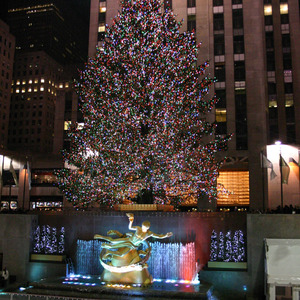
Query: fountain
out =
(168, 261)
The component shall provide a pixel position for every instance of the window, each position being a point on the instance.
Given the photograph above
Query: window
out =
(241, 120)
(237, 1)
(219, 44)
(237, 183)
(287, 61)
(221, 128)
(286, 41)
(284, 9)
(217, 2)
(220, 114)
(284, 19)
(268, 10)
(239, 71)
(191, 3)
(221, 96)
(237, 18)
(218, 22)
(269, 40)
(270, 61)
(220, 72)
(238, 44)
(272, 88)
(102, 7)
(288, 88)
(191, 23)
(291, 133)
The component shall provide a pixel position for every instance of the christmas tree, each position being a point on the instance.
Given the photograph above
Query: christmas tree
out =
(144, 99)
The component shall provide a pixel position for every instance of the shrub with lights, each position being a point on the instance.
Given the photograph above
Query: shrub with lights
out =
(144, 100)
(47, 240)
(228, 247)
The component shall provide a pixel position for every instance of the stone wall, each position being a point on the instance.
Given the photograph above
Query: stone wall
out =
(15, 243)
(16, 230)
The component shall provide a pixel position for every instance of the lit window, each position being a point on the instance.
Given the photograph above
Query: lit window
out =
(102, 7)
(66, 84)
(36, 80)
(49, 81)
(101, 28)
(42, 89)
(17, 91)
(18, 82)
(233, 188)
(23, 90)
(67, 125)
(24, 82)
(268, 10)
(220, 115)
(31, 45)
(29, 90)
(42, 80)
(30, 81)
(35, 89)
(284, 9)
(49, 90)
(289, 100)
(61, 86)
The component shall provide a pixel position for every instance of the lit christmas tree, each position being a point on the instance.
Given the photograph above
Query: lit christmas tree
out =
(144, 101)
(228, 246)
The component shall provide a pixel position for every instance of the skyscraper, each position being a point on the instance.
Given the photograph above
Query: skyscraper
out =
(50, 39)
(51, 26)
(7, 51)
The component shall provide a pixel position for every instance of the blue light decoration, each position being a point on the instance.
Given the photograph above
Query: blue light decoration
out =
(37, 240)
(221, 251)
(61, 241)
(228, 247)
(214, 246)
(45, 240)
(54, 245)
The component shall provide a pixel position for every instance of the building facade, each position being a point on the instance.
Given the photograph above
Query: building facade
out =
(51, 26)
(7, 51)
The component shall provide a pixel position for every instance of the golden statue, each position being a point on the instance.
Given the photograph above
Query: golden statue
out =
(125, 262)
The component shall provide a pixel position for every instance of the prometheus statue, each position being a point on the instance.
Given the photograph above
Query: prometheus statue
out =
(122, 257)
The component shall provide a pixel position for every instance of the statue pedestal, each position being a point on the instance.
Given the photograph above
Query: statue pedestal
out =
(132, 277)
(135, 274)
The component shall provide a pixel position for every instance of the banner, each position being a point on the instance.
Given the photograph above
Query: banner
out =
(13, 172)
(268, 164)
(284, 171)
